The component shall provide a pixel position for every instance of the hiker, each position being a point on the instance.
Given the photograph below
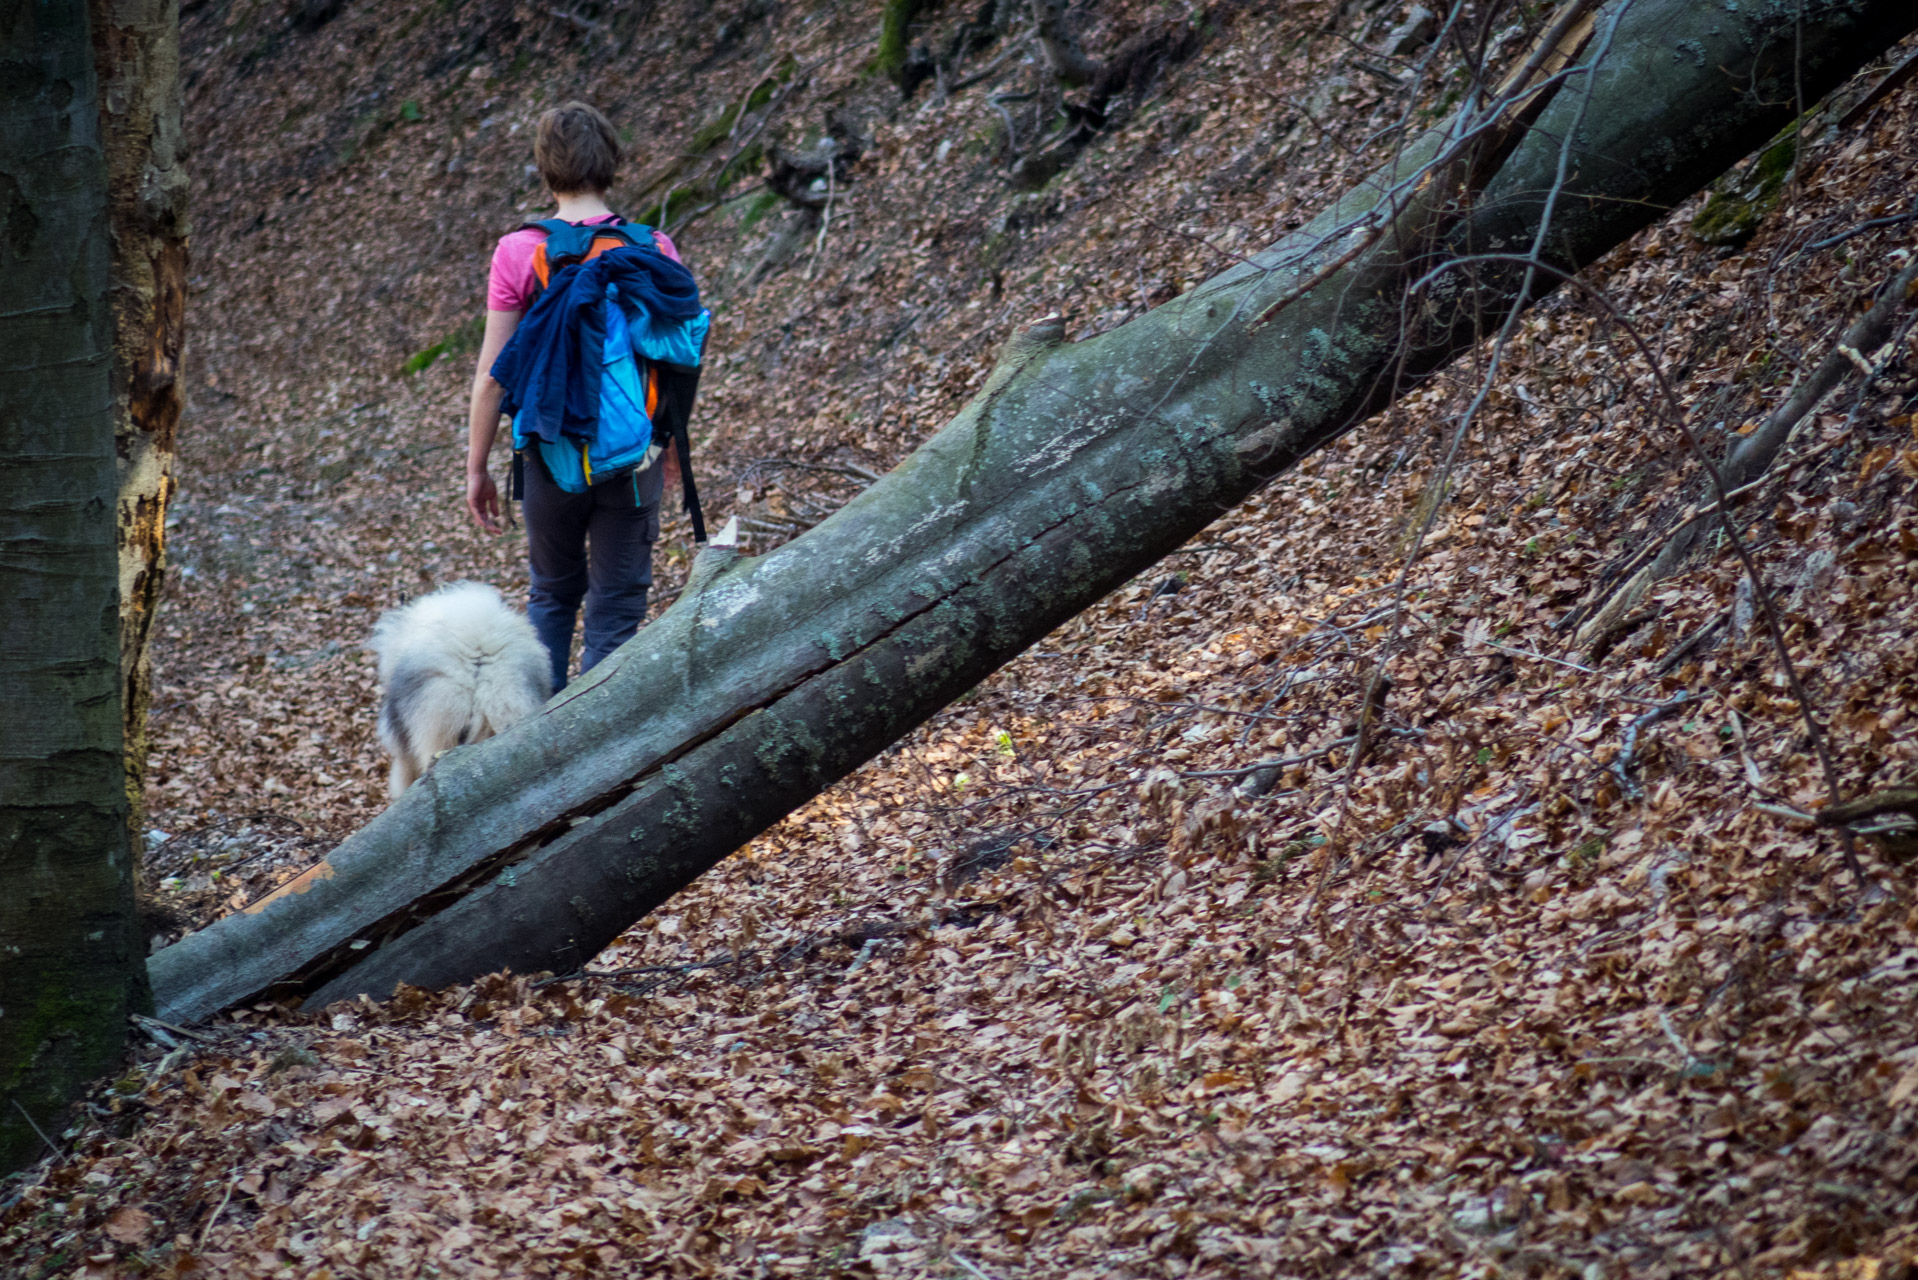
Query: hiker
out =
(590, 494)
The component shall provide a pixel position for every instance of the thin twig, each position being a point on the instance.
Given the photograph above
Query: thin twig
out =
(1286, 763)
(1507, 112)
(52, 1146)
(854, 472)
(1651, 549)
(1627, 1060)
(1750, 459)
(646, 969)
(1500, 823)
(1546, 48)
(201, 1036)
(680, 223)
(825, 219)
(1018, 43)
(980, 1272)
(1895, 220)
(1541, 657)
(584, 24)
(1233, 254)
(207, 1229)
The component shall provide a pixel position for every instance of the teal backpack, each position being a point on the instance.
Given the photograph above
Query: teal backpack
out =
(647, 375)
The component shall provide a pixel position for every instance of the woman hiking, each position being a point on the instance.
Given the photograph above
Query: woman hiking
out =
(589, 534)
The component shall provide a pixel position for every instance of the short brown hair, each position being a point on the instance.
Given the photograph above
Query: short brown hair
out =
(576, 149)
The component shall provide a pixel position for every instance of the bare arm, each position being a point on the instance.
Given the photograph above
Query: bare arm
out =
(482, 421)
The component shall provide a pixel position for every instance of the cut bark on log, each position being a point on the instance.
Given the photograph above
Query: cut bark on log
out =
(1074, 469)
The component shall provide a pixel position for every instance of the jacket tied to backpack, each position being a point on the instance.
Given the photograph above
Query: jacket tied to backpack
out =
(600, 374)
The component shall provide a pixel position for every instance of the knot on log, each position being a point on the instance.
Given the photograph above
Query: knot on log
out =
(714, 558)
(1022, 348)
(1033, 340)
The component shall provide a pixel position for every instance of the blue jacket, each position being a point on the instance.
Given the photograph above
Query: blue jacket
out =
(551, 366)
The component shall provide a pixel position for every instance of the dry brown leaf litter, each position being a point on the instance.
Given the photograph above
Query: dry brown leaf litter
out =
(1026, 996)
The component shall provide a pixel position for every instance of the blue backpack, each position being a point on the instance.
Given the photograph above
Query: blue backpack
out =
(601, 374)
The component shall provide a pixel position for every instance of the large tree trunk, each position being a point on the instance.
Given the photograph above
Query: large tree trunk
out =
(1076, 467)
(69, 968)
(137, 61)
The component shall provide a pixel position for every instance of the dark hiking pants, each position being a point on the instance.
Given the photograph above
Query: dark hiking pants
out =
(620, 520)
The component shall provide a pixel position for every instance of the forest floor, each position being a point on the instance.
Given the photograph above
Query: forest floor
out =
(1555, 982)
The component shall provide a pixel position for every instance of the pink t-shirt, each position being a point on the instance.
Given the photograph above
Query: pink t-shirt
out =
(512, 284)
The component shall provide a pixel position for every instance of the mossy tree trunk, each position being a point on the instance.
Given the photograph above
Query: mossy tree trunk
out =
(70, 970)
(1076, 467)
(895, 36)
(137, 63)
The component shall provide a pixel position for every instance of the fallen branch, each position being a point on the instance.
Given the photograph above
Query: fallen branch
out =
(1693, 515)
(1890, 800)
(1895, 220)
(1274, 765)
(1690, 642)
(1891, 81)
(1753, 455)
(1621, 765)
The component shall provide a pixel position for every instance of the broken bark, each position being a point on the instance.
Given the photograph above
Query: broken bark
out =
(1114, 88)
(805, 177)
(136, 53)
(1076, 467)
(1068, 61)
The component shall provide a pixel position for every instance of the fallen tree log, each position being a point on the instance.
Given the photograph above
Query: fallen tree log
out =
(1076, 467)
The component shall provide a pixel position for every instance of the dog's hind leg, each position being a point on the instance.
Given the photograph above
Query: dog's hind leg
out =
(401, 776)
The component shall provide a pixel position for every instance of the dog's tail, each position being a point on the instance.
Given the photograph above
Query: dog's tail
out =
(458, 666)
(509, 685)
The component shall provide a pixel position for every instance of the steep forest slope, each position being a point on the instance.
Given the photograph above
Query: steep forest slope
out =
(1120, 966)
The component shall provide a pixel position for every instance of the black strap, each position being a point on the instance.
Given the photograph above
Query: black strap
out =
(517, 490)
(685, 447)
(678, 384)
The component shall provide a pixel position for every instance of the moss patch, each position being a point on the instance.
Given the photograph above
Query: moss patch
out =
(462, 340)
(1740, 200)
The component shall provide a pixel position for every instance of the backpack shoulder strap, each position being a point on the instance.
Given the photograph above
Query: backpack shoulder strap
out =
(635, 234)
(566, 242)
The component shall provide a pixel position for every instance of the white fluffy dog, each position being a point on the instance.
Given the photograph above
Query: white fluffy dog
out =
(457, 666)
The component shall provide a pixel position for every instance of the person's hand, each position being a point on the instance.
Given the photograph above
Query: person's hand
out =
(482, 499)
(669, 477)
